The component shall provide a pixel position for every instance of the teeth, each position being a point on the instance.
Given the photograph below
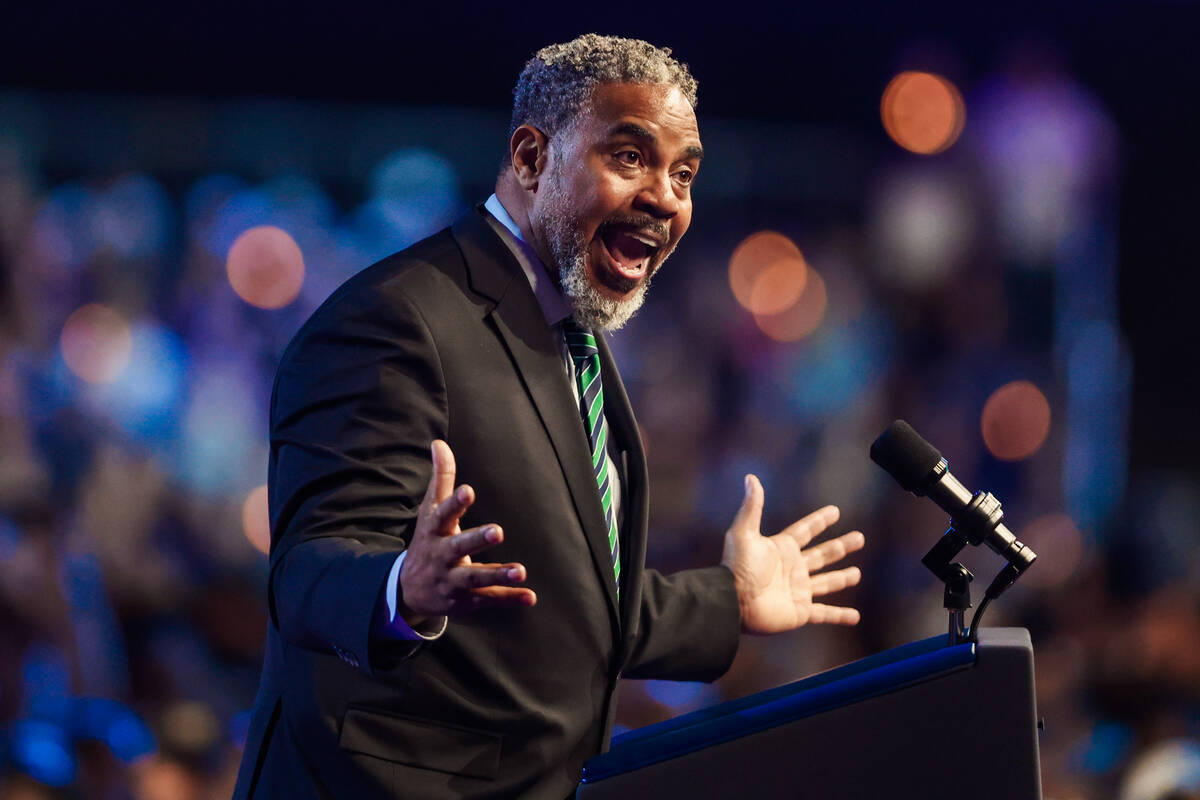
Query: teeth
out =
(646, 240)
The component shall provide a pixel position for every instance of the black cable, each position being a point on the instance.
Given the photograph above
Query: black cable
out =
(973, 631)
(1004, 579)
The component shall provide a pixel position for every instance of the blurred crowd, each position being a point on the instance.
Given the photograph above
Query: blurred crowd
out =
(132, 579)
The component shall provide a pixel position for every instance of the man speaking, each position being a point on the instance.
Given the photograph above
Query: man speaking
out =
(458, 491)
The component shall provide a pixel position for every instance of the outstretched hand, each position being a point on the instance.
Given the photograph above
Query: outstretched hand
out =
(438, 578)
(778, 576)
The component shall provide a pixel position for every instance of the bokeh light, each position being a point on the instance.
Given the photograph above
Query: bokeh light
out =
(1059, 545)
(839, 369)
(223, 424)
(922, 112)
(415, 192)
(190, 726)
(43, 750)
(924, 226)
(681, 696)
(767, 273)
(265, 267)
(802, 318)
(96, 343)
(144, 398)
(132, 218)
(256, 519)
(1049, 147)
(1015, 421)
(779, 286)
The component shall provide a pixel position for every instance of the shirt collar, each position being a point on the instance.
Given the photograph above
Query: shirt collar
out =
(554, 306)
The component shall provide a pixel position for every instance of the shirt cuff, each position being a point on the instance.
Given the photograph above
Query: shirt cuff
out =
(391, 625)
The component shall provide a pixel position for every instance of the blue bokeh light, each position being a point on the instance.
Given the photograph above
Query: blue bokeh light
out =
(60, 227)
(840, 365)
(104, 720)
(221, 426)
(46, 681)
(1107, 744)
(10, 538)
(133, 217)
(43, 751)
(682, 696)
(1095, 462)
(415, 192)
(144, 398)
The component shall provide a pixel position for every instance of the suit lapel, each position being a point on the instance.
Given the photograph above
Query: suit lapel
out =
(521, 324)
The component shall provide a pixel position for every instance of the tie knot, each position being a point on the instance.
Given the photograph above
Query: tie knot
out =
(580, 342)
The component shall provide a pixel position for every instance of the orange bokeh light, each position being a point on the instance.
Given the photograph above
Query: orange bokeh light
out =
(922, 112)
(767, 272)
(802, 318)
(1059, 545)
(96, 343)
(1015, 421)
(265, 267)
(256, 519)
(779, 286)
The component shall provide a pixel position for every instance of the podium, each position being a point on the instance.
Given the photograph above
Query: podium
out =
(924, 720)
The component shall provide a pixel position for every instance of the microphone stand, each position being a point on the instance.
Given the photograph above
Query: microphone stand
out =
(957, 596)
(972, 525)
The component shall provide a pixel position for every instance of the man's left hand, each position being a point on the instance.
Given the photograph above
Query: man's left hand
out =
(778, 576)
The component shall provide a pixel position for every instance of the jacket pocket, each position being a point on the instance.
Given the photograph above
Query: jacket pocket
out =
(421, 743)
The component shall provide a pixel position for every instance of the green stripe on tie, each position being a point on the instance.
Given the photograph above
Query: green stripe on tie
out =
(586, 358)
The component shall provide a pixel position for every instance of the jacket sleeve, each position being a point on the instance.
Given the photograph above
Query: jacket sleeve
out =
(358, 398)
(688, 626)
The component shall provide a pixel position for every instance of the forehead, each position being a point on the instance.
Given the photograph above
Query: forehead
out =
(662, 110)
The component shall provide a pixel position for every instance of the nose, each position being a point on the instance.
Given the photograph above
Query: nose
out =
(657, 196)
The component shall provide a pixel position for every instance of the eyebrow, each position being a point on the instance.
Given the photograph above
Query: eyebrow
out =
(637, 131)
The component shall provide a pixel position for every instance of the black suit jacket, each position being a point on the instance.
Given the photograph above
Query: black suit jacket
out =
(446, 340)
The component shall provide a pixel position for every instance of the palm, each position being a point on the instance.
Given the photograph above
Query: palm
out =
(778, 576)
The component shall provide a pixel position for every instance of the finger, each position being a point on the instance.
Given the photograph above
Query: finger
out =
(472, 541)
(833, 615)
(441, 480)
(832, 551)
(829, 582)
(509, 596)
(806, 528)
(749, 517)
(478, 576)
(447, 513)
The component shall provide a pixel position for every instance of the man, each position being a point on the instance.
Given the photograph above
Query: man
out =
(397, 664)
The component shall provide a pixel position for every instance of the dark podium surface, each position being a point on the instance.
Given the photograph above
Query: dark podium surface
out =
(923, 720)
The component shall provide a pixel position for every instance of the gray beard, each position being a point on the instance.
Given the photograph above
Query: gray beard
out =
(591, 308)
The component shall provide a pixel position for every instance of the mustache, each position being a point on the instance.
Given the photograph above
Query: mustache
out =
(641, 223)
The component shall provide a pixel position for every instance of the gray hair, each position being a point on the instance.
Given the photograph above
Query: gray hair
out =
(557, 83)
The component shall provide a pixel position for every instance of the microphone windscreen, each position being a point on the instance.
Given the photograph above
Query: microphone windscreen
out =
(905, 455)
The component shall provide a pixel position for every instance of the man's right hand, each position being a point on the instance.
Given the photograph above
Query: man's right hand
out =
(438, 578)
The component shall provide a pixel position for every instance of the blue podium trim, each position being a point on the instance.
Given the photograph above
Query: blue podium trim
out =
(875, 675)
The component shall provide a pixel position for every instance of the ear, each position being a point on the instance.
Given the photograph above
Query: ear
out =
(528, 150)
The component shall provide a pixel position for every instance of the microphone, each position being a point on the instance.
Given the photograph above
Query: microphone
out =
(919, 468)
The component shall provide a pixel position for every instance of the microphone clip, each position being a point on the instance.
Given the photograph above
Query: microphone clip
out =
(957, 596)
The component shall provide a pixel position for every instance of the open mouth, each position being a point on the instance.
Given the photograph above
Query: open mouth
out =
(629, 254)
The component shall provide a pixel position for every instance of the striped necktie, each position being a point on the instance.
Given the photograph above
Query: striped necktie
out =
(582, 346)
